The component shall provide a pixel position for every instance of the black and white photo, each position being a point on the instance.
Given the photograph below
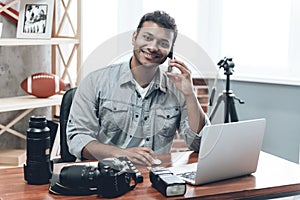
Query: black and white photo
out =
(35, 19)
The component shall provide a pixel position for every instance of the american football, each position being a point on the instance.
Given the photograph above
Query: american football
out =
(43, 84)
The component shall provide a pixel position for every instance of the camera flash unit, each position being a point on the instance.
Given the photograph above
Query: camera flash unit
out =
(166, 182)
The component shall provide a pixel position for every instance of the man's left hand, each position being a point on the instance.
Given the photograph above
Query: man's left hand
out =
(183, 80)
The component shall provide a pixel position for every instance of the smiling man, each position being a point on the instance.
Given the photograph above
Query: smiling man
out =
(134, 109)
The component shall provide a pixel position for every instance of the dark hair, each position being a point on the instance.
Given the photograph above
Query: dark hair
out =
(161, 18)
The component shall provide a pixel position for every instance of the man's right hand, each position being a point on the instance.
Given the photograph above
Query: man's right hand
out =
(137, 155)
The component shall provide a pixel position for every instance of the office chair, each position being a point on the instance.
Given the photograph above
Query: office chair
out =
(66, 103)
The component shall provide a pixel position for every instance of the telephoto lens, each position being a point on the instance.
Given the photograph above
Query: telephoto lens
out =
(80, 176)
(38, 167)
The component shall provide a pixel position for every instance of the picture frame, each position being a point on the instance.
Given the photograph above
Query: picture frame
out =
(35, 19)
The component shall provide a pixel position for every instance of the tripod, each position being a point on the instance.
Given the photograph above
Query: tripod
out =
(227, 96)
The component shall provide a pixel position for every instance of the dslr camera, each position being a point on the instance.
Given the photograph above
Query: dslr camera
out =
(112, 177)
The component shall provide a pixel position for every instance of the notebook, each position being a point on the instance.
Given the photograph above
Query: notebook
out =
(227, 150)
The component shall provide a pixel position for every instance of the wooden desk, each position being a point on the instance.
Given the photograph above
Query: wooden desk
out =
(275, 177)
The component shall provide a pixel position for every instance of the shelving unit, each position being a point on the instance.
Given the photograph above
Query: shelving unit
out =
(59, 59)
(30, 42)
(27, 104)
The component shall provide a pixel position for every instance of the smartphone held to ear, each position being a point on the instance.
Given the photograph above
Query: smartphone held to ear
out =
(170, 68)
(171, 57)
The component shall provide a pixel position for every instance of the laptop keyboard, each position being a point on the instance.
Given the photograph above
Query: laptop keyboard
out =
(188, 175)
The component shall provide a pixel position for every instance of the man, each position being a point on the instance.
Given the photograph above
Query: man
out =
(134, 109)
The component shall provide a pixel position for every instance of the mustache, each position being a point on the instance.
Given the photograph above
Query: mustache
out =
(153, 54)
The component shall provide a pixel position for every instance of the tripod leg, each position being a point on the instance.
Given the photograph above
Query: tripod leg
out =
(232, 110)
(227, 109)
(214, 110)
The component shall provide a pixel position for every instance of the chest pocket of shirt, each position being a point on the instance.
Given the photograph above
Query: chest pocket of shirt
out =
(167, 121)
(114, 116)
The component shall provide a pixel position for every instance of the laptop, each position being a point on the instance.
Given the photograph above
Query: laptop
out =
(227, 150)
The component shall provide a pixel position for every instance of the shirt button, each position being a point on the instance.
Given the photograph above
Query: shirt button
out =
(130, 136)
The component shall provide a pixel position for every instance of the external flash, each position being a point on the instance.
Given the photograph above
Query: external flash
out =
(166, 182)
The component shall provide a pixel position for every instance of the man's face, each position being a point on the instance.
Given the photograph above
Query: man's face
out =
(152, 44)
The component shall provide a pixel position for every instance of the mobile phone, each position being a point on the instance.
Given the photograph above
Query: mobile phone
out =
(171, 57)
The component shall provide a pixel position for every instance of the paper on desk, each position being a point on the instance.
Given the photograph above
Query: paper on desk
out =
(183, 168)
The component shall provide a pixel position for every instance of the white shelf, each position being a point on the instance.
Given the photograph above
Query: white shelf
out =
(28, 102)
(60, 42)
(27, 42)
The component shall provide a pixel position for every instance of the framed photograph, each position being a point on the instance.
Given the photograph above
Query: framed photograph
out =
(35, 19)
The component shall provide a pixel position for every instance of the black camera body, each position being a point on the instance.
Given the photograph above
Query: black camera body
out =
(112, 177)
(166, 182)
(38, 167)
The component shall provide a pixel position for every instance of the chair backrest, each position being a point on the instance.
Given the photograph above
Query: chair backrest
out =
(66, 103)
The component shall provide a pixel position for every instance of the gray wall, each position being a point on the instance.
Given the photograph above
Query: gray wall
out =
(279, 104)
(17, 63)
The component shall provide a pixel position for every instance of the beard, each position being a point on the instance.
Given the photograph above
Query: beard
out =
(145, 59)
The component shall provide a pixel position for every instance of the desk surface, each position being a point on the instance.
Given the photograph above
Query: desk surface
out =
(275, 177)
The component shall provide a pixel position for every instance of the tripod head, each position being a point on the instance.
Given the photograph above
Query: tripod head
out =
(227, 64)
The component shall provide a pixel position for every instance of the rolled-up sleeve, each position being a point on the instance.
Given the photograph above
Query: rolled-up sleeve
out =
(83, 121)
(192, 138)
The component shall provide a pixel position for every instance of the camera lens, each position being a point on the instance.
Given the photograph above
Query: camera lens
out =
(38, 168)
(38, 139)
(80, 176)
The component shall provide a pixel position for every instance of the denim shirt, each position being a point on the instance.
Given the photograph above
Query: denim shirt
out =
(107, 108)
